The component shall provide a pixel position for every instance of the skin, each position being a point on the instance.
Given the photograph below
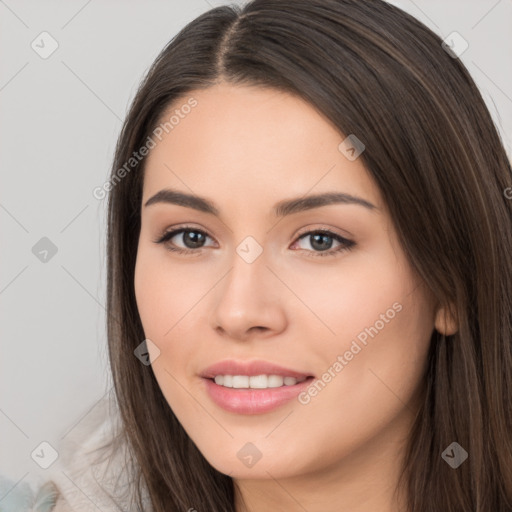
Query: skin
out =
(245, 149)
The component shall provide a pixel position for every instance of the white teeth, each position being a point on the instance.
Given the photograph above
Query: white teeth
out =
(258, 382)
(275, 381)
(255, 382)
(240, 381)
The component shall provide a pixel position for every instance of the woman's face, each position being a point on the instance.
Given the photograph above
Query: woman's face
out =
(258, 285)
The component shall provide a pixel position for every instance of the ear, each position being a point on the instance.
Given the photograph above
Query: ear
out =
(446, 322)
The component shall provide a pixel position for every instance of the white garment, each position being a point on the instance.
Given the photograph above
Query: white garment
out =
(94, 481)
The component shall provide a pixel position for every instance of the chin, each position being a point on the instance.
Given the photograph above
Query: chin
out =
(240, 465)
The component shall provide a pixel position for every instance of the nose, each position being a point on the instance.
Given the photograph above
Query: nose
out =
(248, 302)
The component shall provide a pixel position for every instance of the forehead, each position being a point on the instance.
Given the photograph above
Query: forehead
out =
(242, 144)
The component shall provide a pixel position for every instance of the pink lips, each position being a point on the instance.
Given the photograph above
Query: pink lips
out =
(251, 401)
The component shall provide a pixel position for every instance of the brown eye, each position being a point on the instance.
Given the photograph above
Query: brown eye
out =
(322, 240)
(192, 238)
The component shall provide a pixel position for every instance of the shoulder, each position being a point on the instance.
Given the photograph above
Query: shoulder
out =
(93, 470)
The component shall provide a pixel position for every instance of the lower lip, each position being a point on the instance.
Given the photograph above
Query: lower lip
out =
(253, 401)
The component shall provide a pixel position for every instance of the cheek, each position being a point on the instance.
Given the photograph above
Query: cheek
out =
(163, 292)
(160, 301)
(353, 298)
(167, 297)
(374, 365)
(148, 294)
(381, 321)
(364, 386)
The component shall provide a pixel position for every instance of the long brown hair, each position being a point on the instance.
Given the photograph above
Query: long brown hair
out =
(436, 155)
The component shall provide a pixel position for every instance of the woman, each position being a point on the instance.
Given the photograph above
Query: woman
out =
(251, 374)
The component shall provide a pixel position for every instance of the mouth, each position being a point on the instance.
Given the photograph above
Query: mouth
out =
(250, 401)
(252, 387)
(262, 381)
(240, 370)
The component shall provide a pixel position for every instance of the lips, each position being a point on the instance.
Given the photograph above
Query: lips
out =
(251, 369)
(252, 401)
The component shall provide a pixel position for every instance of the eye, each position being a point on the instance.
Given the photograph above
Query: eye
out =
(194, 239)
(192, 236)
(322, 238)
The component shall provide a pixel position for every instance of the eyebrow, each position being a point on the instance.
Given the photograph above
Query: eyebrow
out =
(281, 209)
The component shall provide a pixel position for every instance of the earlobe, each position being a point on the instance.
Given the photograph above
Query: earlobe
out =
(446, 322)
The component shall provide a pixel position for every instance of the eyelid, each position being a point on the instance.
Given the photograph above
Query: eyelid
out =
(306, 229)
(345, 243)
(169, 233)
(322, 227)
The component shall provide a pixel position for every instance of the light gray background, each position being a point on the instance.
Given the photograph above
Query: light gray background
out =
(60, 118)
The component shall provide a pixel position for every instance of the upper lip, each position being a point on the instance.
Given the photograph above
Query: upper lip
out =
(250, 368)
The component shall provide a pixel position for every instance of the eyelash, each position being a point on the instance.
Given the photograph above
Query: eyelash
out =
(346, 244)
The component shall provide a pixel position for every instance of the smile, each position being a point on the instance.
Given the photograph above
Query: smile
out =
(255, 382)
(241, 399)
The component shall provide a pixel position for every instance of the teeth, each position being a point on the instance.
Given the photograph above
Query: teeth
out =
(255, 382)
(275, 381)
(258, 382)
(240, 381)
